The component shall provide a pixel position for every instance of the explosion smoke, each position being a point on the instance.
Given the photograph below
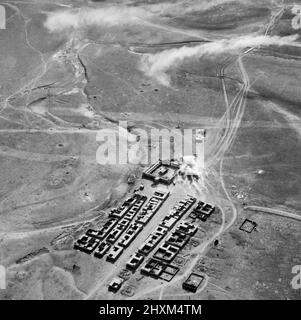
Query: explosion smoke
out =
(156, 65)
(107, 17)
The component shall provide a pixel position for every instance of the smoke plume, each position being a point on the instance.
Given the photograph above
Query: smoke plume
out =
(83, 17)
(156, 65)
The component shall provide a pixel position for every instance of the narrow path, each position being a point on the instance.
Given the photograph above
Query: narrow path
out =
(274, 211)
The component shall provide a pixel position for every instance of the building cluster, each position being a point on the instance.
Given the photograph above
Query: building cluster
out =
(159, 264)
(162, 171)
(158, 269)
(152, 206)
(175, 241)
(122, 228)
(112, 229)
(156, 254)
(202, 211)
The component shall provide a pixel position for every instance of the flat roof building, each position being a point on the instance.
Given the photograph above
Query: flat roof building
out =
(162, 172)
(166, 252)
(152, 206)
(102, 249)
(153, 268)
(187, 228)
(135, 261)
(178, 239)
(115, 285)
(193, 282)
(150, 243)
(203, 211)
(114, 253)
(130, 235)
(136, 199)
(86, 244)
(168, 222)
(104, 230)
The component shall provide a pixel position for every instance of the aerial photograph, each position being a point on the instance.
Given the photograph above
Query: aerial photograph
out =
(150, 150)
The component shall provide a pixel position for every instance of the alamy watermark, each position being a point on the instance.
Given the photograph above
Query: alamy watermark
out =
(296, 21)
(2, 17)
(296, 281)
(141, 146)
(2, 277)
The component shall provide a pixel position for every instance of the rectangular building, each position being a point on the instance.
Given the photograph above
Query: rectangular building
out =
(102, 249)
(135, 261)
(178, 239)
(166, 252)
(114, 253)
(193, 282)
(86, 244)
(104, 230)
(130, 235)
(187, 228)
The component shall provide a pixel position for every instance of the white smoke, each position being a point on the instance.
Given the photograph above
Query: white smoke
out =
(191, 173)
(156, 65)
(191, 166)
(83, 17)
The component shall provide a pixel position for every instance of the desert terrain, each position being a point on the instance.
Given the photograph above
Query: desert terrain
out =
(72, 68)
